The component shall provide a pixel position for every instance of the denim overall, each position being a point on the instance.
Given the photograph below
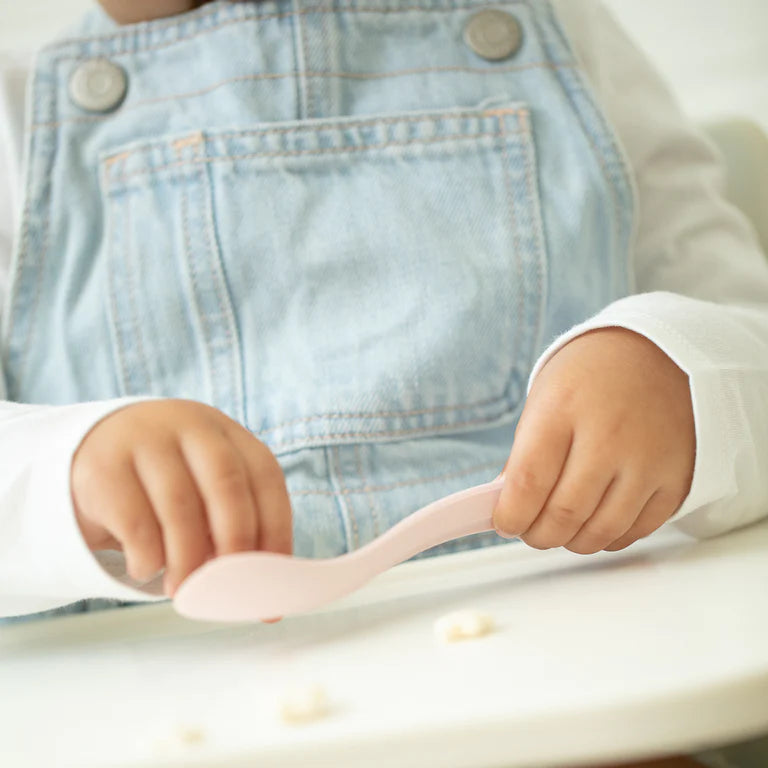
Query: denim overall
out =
(335, 222)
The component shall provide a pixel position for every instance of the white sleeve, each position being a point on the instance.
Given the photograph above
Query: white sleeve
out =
(701, 277)
(44, 561)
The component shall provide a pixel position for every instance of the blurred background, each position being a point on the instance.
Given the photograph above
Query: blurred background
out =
(713, 52)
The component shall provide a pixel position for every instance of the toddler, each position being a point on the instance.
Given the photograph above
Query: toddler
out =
(283, 273)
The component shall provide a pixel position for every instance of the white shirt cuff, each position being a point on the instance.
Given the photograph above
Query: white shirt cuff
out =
(639, 313)
(44, 560)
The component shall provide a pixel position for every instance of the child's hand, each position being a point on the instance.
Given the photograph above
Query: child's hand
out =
(175, 482)
(604, 449)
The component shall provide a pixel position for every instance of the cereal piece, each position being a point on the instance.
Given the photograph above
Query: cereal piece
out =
(184, 737)
(302, 705)
(191, 735)
(462, 625)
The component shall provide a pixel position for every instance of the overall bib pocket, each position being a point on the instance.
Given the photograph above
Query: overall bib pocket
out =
(332, 280)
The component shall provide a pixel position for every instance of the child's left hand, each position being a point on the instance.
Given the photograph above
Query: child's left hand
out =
(604, 450)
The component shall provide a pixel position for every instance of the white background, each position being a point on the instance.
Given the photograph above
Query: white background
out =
(714, 52)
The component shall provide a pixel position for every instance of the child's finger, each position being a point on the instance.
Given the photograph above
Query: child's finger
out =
(178, 507)
(126, 512)
(614, 516)
(222, 481)
(657, 510)
(578, 492)
(268, 487)
(538, 454)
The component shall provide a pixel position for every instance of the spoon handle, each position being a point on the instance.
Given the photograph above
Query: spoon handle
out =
(460, 514)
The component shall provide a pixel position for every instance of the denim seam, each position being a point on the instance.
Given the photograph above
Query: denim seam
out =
(339, 498)
(400, 484)
(568, 90)
(203, 316)
(112, 298)
(350, 510)
(536, 223)
(371, 499)
(132, 298)
(341, 123)
(272, 76)
(10, 314)
(228, 319)
(302, 152)
(298, 74)
(380, 414)
(604, 124)
(520, 309)
(618, 184)
(306, 86)
(223, 318)
(327, 125)
(313, 440)
(122, 358)
(41, 257)
(128, 35)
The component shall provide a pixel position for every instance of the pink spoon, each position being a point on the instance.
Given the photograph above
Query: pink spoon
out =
(249, 586)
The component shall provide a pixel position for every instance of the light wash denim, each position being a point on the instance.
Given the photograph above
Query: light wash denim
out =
(335, 222)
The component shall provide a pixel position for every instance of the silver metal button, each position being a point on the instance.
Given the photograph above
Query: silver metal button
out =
(494, 35)
(98, 85)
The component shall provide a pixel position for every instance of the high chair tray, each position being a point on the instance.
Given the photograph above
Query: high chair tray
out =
(660, 648)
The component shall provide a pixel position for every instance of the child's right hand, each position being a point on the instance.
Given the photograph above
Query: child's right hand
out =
(174, 483)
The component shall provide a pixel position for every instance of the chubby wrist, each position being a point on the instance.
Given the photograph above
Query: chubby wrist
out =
(607, 344)
(133, 11)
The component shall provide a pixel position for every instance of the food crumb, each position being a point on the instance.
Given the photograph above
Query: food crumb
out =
(191, 735)
(462, 625)
(303, 705)
(182, 737)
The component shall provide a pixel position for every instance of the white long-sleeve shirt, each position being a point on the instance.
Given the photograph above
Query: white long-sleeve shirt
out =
(702, 297)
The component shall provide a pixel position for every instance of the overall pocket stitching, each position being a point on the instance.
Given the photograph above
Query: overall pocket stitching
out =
(301, 74)
(380, 414)
(224, 297)
(336, 453)
(203, 317)
(365, 122)
(371, 499)
(317, 125)
(119, 331)
(119, 159)
(114, 327)
(521, 304)
(299, 153)
(541, 263)
(207, 264)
